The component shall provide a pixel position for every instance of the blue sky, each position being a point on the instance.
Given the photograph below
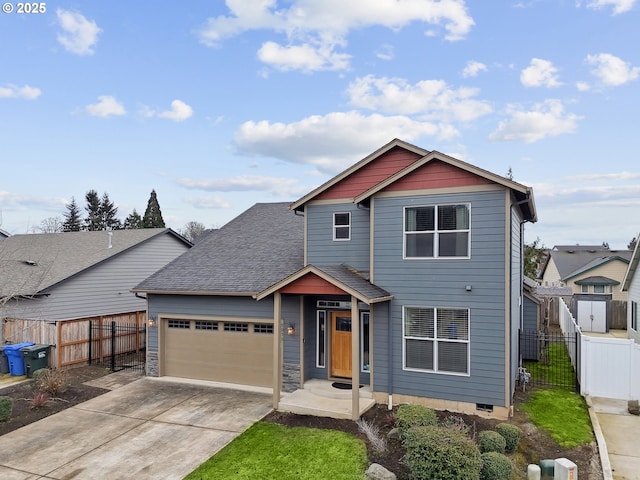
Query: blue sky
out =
(219, 105)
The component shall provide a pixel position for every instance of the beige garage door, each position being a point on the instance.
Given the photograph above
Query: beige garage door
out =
(235, 352)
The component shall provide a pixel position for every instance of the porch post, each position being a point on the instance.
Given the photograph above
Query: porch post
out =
(355, 359)
(277, 342)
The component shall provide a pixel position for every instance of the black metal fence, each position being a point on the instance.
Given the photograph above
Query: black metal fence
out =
(117, 346)
(547, 360)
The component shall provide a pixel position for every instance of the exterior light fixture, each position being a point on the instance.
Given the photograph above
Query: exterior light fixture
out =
(291, 329)
(152, 321)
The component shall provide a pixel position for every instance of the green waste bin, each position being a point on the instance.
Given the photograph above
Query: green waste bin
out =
(35, 357)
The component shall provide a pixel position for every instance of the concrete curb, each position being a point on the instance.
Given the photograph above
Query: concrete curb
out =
(602, 445)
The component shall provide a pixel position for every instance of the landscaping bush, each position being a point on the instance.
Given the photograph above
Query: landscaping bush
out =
(6, 407)
(53, 382)
(414, 416)
(511, 434)
(456, 423)
(440, 453)
(495, 466)
(490, 441)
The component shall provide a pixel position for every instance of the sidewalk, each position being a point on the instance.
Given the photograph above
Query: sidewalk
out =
(616, 430)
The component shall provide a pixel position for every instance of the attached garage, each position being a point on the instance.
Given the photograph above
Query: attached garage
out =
(233, 351)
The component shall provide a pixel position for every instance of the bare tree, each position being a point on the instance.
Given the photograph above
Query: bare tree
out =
(192, 230)
(51, 225)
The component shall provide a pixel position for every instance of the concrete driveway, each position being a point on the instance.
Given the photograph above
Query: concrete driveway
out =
(148, 429)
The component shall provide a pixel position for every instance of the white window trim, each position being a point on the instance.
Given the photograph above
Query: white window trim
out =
(324, 340)
(362, 342)
(436, 233)
(435, 343)
(341, 226)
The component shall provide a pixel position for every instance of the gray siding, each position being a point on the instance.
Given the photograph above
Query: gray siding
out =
(241, 307)
(105, 288)
(323, 250)
(516, 295)
(441, 283)
(634, 295)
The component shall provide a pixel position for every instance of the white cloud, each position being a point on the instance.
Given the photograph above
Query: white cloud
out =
(316, 23)
(547, 119)
(179, 112)
(26, 92)
(540, 73)
(611, 70)
(473, 68)
(241, 183)
(331, 142)
(79, 35)
(619, 6)
(583, 86)
(304, 57)
(385, 52)
(107, 106)
(432, 99)
(210, 202)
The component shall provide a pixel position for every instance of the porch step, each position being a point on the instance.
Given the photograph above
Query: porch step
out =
(305, 402)
(325, 388)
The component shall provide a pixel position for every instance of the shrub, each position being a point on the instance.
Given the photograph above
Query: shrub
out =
(439, 453)
(6, 408)
(53, 382)
(39, 399)
(414, 416)
(490, 441)
(377, 441)
(495, 466)
(511, 434)
(456, 423)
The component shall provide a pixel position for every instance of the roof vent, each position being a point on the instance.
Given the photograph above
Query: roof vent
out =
(110, 237)
(33, 263)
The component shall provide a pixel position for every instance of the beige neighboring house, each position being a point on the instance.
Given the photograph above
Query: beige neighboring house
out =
(594, 273)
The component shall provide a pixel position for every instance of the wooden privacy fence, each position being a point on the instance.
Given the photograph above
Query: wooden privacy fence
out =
(70, 338)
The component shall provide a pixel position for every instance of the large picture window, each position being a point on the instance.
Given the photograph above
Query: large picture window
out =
(436, 339)
(437, 231)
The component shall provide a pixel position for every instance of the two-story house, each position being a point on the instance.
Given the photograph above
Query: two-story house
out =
(402, 274)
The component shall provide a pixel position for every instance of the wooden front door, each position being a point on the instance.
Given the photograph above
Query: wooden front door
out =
(340, 344)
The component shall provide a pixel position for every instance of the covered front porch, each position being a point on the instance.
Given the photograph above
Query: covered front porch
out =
(320, 398)
(342, 363)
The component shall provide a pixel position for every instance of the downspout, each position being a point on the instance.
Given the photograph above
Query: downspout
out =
(390, 358)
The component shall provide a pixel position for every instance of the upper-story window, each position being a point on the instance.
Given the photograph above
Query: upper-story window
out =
(437, 231)
(342, 226)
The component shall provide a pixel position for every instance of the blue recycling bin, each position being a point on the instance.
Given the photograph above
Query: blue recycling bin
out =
(15, 358)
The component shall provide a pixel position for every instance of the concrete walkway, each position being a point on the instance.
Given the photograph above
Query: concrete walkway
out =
(618, 431)
(147, 429)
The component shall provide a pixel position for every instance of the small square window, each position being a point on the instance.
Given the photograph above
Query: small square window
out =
(236, 327)
(263, 328)
(598, 289)
(342, 226)
(183, 324)
(205, 325)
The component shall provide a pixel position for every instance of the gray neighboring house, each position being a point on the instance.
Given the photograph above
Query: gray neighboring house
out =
(51, 285)
(631, 285)
(401, 274)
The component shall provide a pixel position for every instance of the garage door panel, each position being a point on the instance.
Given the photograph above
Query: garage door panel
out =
(216, 355)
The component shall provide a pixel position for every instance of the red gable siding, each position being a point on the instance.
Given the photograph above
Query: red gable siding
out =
(311, 283)
(436, 174)
(376, 171)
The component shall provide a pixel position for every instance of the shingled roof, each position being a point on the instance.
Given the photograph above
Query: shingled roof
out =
(31, 264)
(251, 252)
(572, 260)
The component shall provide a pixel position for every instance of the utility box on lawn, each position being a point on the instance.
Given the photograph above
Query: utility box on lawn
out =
(35, 357)
(14, 357)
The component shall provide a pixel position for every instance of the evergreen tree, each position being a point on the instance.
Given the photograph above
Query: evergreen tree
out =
(632, 244)
(134, 220)
(152, 215)
(93, 220)
(72, 221)
(108, 212)
(534, 253)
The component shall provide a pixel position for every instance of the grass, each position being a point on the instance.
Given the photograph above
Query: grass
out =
(272, 451)
(557, 371)
(562, 414)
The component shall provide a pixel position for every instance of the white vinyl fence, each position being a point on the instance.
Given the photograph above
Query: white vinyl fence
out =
(608, 367)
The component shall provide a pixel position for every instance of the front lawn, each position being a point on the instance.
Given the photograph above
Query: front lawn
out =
(272, 451)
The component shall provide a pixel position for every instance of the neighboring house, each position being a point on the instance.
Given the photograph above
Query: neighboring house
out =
(52, 284)
(631, 285)
(594, 274)
(402, 273)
